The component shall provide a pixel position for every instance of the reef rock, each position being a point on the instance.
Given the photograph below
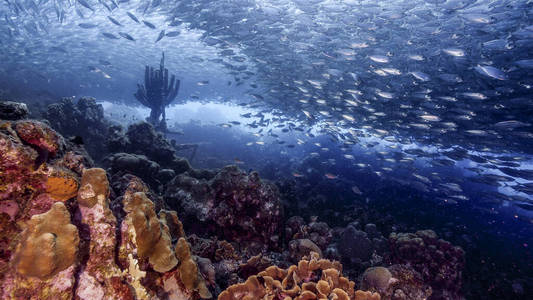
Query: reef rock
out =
(13, 110)
(142, 139)
(84, 118)
(138, 165)
(318, 232)
(357, 248)
(233, 205)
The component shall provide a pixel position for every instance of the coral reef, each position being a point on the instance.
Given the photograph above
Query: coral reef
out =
(233, 205)
(70, 231)
(438, 261)
(188, 270)
(54, 245)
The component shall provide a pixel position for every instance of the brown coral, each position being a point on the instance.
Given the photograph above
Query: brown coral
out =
(152, 236)
(310, 279)
(188, 269)
(362, 295)
(94, 186)
(170, 219)
(49, 244)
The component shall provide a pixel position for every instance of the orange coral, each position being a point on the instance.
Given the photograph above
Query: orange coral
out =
(62, 185)
(298, 282)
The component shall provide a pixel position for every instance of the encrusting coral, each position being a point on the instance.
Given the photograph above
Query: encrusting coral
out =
(312, 278)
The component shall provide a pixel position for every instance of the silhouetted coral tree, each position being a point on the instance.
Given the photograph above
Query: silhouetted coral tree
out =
(157, 93)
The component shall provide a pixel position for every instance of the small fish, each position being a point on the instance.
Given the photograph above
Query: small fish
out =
(148, 24)
(420, 75)
(379, 59)
(87, 25)
(260, 142)
(173, 33)
(348, 118)
(161, 35)
(85, 4)
(454, 52)
(491, 72)
(202, 83)
(126, 36)
(114, 21)
(110, 36)
(476, 96)
(297, 175)
(356, 190)
(238, 161)
(330, 176)
(133, 17)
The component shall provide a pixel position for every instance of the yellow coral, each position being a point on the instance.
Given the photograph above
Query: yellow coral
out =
(49, 244)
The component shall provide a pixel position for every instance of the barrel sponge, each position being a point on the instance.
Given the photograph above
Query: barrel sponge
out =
(151, 235)
(189, 275)
(49, 244)
(94, 186)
